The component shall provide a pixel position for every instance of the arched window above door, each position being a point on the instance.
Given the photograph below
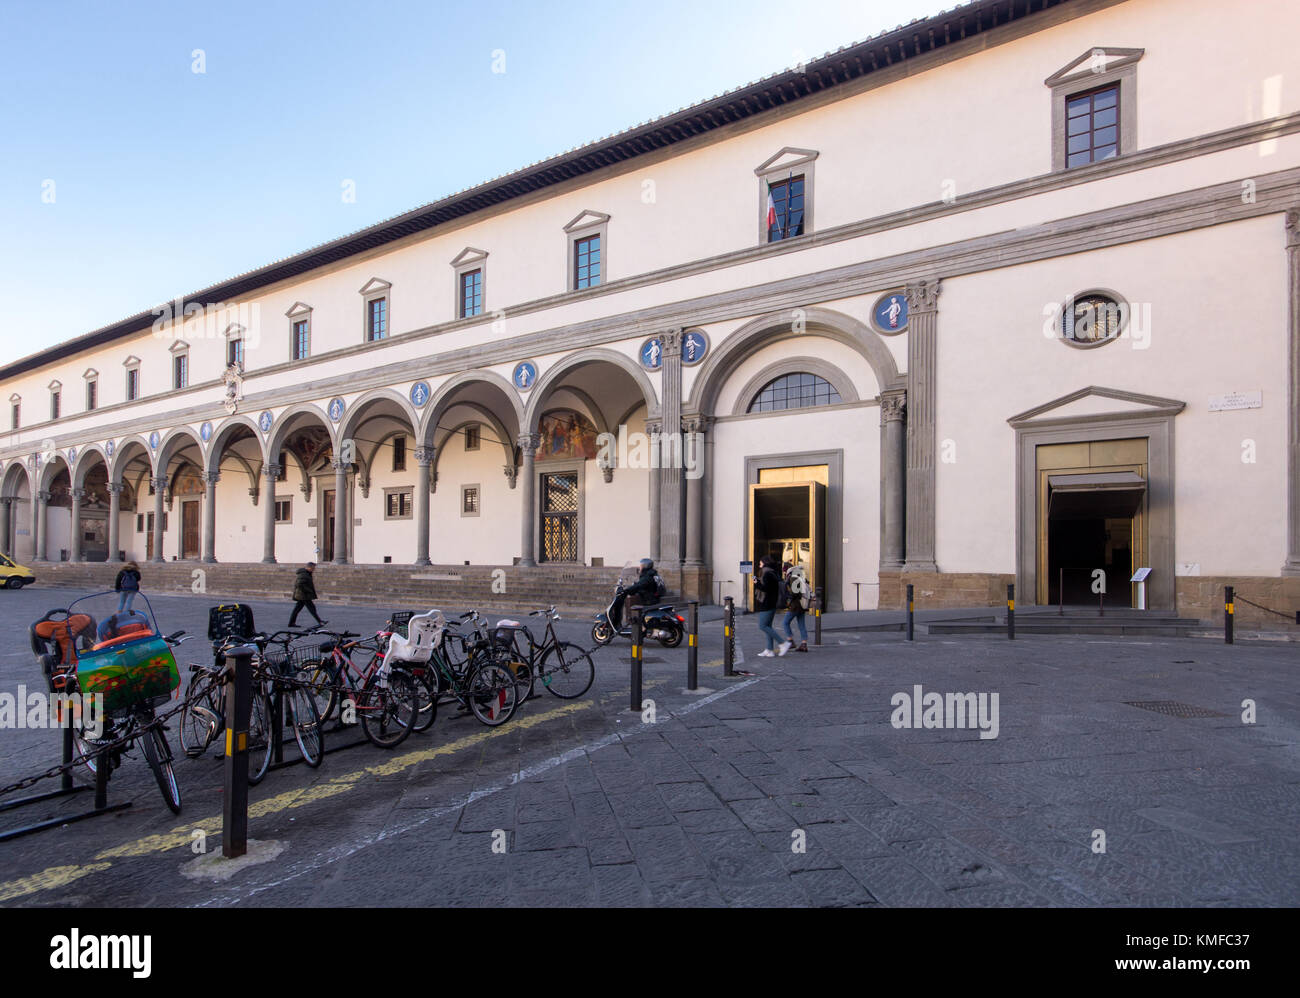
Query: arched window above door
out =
(799, 390)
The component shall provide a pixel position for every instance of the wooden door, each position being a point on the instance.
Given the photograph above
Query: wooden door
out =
(326, 543)
(189, 530)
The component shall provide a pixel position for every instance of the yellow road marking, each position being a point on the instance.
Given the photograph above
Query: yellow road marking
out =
(57, 876)
(48, 879)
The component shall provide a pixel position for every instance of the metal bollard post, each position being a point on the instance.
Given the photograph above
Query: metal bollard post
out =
(729, 637)
(102, 768)
(911, 608)
(693, 646)
(277, 725)
(820, 595)
(1011, 611)
(239, 702)
(636, 660)
(65, 782)
(1227, 615)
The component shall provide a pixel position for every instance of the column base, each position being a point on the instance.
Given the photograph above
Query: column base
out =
(1292, 567)
(422, 562)
(209, 561)
(526, 563)
(269, 561)
(918, 567)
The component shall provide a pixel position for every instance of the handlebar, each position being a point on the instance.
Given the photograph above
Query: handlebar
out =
(175, 638)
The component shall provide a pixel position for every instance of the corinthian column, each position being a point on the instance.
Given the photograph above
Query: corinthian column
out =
(159, 486)
(528, 445)
(423, 459)
(341, 511)
(42, 522)
(1292, 566)
(670, 452)
(210, 479)
(695, 428)
(922, 342)
(114, 519)
(894, 460)
(74, 549)
(272, 473)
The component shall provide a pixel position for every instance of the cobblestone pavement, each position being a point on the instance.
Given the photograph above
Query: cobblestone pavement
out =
(791, 787)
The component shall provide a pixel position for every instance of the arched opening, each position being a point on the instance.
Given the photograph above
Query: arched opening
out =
(303, 434)
(378, 440)
(17, 534)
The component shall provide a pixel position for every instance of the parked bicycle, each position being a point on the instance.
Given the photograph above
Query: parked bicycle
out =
(564, 668)
(384, 699)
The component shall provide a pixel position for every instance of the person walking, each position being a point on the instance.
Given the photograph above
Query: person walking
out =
(767, 592)
(304, 591)
(796, 607)
(126, 586)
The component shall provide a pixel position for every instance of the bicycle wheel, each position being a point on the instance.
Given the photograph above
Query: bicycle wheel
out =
(159, 755)
(566, 670)
(199, 725)
(308, 731)
(259, 736)
(493, 694)
(426, 688)
(388, 712)
(322, 673)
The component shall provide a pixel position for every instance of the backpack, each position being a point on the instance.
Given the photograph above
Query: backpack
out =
(661, 589)
(796, 590)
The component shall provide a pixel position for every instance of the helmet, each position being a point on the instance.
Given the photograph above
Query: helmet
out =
(647, 563)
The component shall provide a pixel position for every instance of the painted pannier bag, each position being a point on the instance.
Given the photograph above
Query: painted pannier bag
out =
(128, 670)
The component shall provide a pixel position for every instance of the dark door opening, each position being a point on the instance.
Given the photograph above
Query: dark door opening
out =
(326, 544)
(189, 530)
(1090, 538)
(788, 523)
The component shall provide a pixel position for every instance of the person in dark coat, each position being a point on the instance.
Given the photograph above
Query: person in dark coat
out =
(645, 590)
(304, 591)
(767, 593)
(127, 585)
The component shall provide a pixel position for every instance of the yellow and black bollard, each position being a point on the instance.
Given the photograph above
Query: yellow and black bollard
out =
(636, 659)
(693, 646)
(239, 702)
(911, 608)
(819, 596)
(729, 637)
(1011, 611)
(1228, 612)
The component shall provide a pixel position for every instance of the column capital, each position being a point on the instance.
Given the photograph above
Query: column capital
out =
(338, 464)
(529, 442)
(922, 296)
(211, 477)
(272, 471)
(44, 495)
(425, 455)
(305, 489)
(6, 501)
(672, 342)
(114, 488)
(1293, 229)
(77, 494)
(654, 426)
(159, 484)
(512, 474)
(893, 406)
(697, 422)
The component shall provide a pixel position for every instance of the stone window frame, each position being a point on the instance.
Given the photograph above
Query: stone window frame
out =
(477, 430)
(287, 519)
(91, 378)
(178, 350)
(795, 365)
(1126, 313)
(1072, 81)
(478, 499)
(564, 467)
(56, 400)
(779, 166)
(409, 491)
(468, 260)
(15, 411)
(373, 290)
(296, 313)
(584, 225)
(402, 451)
(131, 363)
(235, 334)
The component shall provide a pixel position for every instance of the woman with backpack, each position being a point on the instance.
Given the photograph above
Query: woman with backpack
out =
(767, 597)
(126, 586)
(796, 607)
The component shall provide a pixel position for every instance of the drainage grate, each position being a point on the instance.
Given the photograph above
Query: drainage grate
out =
(1175, 709)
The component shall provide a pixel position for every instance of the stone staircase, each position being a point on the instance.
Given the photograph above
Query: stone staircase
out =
(1077, 621)
(570, 587)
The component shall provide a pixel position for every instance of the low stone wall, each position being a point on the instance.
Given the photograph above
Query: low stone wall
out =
(1202, 596)
(943, 589)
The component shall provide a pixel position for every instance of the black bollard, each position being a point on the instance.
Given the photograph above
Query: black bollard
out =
(729, 637)
(1011, 610)
(693, 646)
(911, 608)
(239, 703)
(1227, 615)
(817, 616)
(636, 660)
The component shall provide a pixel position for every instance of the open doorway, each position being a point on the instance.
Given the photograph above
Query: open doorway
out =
(787, 521)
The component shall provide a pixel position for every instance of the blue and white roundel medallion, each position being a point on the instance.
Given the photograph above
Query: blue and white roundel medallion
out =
(265, 421)
(72, 457)
(110, 447)
(652, 354)
(525, 374)
(890, 313)
(336, 410)
(205, 431)
(694, 346)
(419, 394)
(154, 440)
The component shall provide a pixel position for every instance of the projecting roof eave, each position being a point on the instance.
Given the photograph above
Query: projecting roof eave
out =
(819, 75)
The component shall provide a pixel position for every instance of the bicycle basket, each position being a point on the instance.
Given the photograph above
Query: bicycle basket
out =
(398, 621)
(230, 620)
(129, 672)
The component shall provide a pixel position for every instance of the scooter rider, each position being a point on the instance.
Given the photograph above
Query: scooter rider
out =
(645, 590)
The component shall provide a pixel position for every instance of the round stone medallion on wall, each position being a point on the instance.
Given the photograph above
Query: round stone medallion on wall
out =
(1093, 318)
(889, 314)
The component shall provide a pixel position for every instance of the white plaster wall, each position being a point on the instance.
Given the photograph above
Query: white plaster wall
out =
(492, 537)
(1211, 331)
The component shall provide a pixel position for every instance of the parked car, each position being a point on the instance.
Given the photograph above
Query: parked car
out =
(14, 575)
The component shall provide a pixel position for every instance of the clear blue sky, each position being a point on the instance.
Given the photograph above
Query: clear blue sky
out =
(166, 180)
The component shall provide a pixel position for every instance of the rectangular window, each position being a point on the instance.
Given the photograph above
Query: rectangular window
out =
(180, 371)
(56, 404)
(14, 415)
(785, 208)
(471, 293)
(92, 395)
(399, 453)
(469, 500)
(133, 384)
(283, 510)
(139, 523)
(1092, 126)
(300, 343)
(148, 522)
(377, 316)
(283, 476)
(586, 262)
(235, 353)
(471, 438)
(397, 505)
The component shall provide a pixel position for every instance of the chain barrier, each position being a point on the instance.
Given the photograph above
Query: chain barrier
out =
(1242, 599)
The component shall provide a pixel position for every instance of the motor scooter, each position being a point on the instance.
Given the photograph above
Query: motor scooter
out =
(658, 623)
